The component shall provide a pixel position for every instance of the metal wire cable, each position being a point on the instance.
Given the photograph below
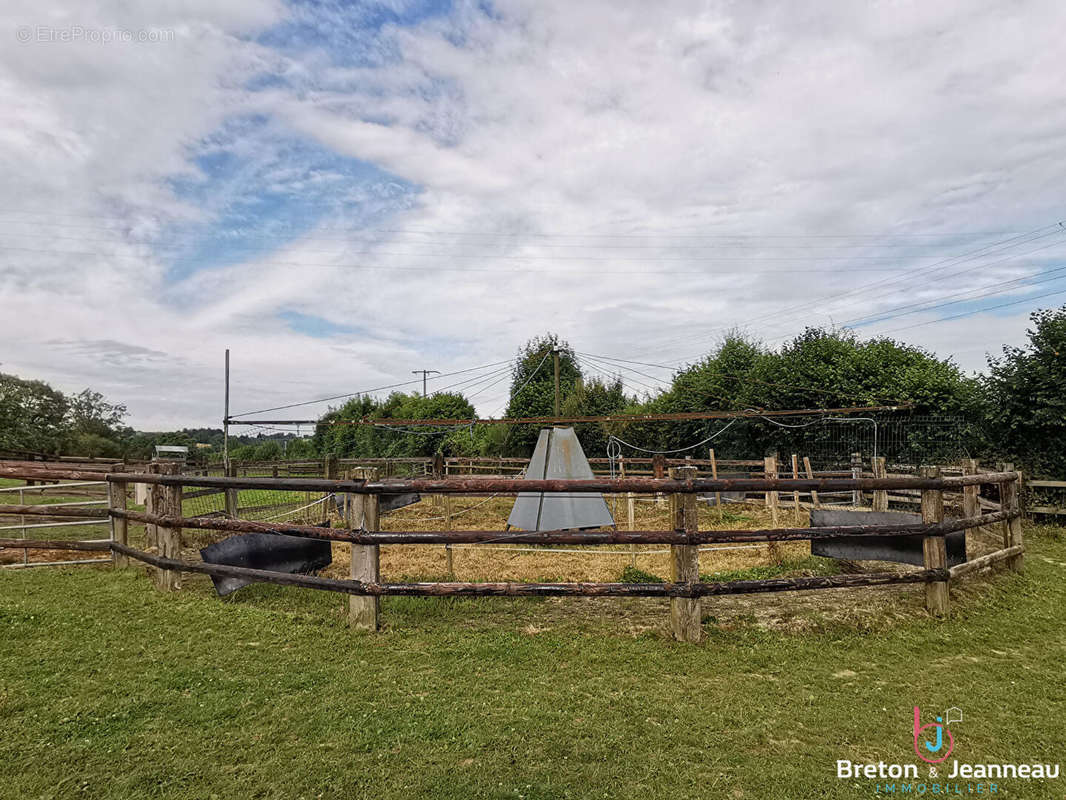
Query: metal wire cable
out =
(364, 391)
(978, 253)
(749, 378)
(445, 516)
(615, 452)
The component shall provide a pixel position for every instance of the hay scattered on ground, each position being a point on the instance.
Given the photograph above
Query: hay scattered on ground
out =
(600, 563)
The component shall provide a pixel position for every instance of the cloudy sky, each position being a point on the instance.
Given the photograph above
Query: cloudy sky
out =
(341, 194)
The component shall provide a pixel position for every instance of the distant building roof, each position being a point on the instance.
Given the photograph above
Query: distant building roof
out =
(171, 450)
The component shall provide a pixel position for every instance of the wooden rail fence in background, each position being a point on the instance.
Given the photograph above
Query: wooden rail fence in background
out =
(164, 523)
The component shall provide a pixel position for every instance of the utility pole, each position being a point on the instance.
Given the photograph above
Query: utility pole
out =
(424, 373)
(225, 421)
(555, 358)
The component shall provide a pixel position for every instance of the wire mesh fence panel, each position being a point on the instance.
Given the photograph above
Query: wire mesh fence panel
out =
(270, 505)
(203, 502)
(830, 441)
(265, 505)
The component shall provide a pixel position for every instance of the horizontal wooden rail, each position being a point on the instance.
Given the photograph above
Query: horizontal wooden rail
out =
(51, 487)
(516, 589)
(979, 479)
(81, 466)
(1057, 510)
(986, 561)
(517, 485)
(564, 536)
(57, 544)
(661, 590)
(684, 590)
(464, 461)
(58, 510)
(201, 493)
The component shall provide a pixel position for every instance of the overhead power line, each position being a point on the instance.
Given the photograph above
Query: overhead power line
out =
(565, 420)
(425, 373)
(364, 391)
(602, 364)
(587, 364)
(977, 311)
(476, 381)
(1055, 229)
(979, 294)
(929, 272)
(777, 384)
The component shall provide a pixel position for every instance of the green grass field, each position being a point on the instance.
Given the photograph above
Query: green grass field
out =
(109, 689)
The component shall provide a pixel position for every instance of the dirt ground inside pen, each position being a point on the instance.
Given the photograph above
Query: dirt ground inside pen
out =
(789, 610)
(570, 562)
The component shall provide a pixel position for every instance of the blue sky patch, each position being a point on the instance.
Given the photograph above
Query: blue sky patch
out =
(347, 32)
(317, 327)
(265, 188)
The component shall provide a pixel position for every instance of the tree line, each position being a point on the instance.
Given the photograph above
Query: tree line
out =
(39, 420)
(1015, 411)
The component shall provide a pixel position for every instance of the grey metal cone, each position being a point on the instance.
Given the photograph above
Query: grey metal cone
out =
(559, 455)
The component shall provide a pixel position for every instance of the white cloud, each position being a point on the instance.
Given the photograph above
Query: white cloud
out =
(566, 158)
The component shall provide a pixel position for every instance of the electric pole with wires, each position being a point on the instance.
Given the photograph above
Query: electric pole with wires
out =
(555, 358)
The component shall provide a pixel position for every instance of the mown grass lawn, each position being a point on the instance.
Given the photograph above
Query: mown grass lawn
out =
(110, 689)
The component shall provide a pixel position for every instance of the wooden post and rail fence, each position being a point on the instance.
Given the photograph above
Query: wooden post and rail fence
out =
(164, 523)
(1044, 493)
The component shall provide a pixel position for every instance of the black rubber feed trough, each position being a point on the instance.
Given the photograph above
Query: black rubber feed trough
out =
(386, 502)
(271, 551)
(898, 549)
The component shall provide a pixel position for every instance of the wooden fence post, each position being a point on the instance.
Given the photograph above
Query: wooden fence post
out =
(714, 475)
(880, 470)
(1005, 495)
(364, 611)
(230, 495)
(770, 469)
(22, 521)
(116, 501)
(631, 503)
(631, 512)
(772, 501)
(971, 505)
(1012, 528)
(332, 472)
(440, 501)
(856, 472)
(934, 548)
(685, 612)
(169, 504)
(437, 472)
(810, 475)
(153, 500)
(795, 495)
(658, 467)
